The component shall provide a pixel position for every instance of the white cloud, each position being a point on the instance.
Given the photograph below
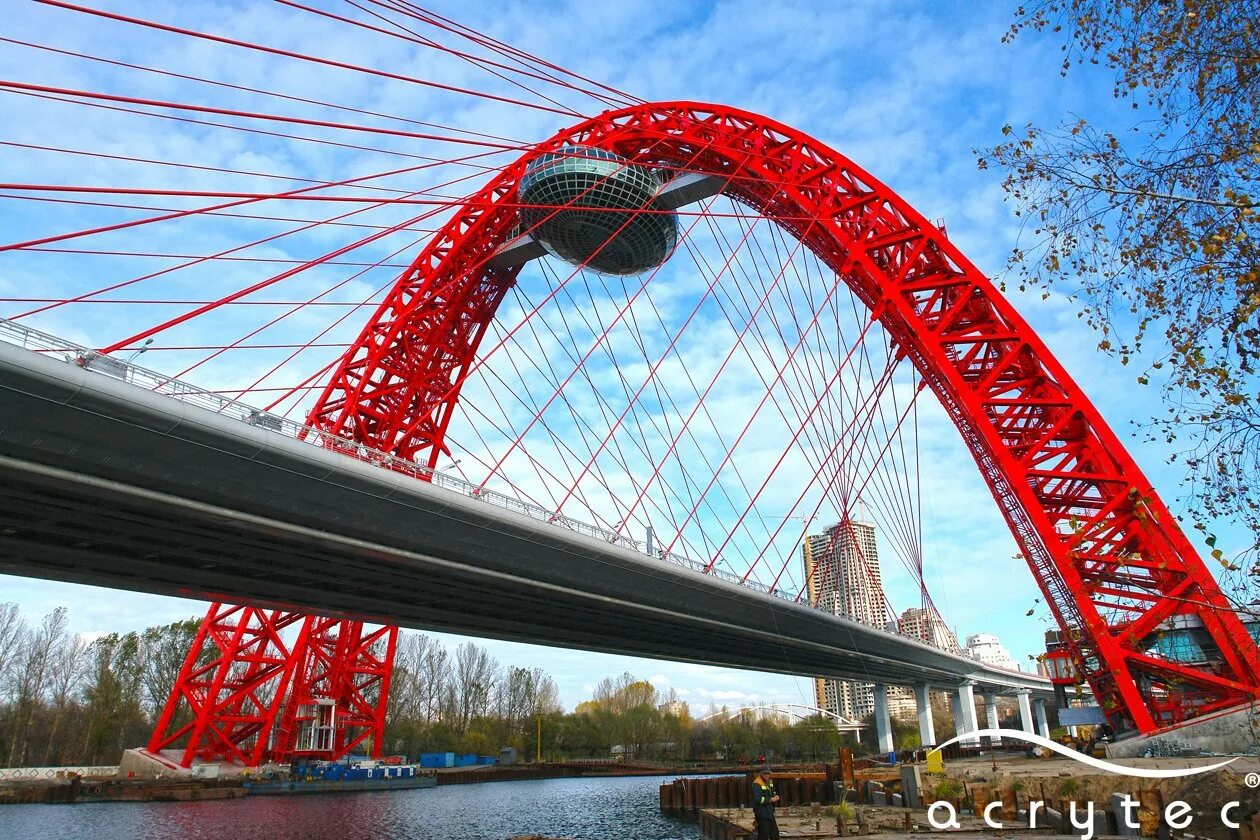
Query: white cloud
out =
(722, 695)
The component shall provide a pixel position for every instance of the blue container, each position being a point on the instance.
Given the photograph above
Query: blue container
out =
(446, 759)
(487, 759)
(469, 760)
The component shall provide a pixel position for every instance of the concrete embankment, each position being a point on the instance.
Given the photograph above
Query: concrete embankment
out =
(566, 770)
(67, 791)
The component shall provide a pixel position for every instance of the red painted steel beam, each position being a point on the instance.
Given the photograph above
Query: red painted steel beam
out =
(1078, 505)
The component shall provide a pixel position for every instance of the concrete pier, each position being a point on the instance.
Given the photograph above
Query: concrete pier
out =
(991, 713)
(1025, 711)
(927, 727)
(1043, 726)
(883, 721)
(965, 719)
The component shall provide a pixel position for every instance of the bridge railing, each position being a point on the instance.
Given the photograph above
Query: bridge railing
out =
(124, 370)
(21, 774)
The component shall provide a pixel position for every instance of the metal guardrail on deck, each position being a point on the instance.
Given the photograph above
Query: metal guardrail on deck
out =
(51, 345)
(23, 774)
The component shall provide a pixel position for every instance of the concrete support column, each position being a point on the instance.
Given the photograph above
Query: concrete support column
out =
(883, 722)
(927, 729)
(990, 713)
(966, 720)
(1043, 726)
(1025, 710)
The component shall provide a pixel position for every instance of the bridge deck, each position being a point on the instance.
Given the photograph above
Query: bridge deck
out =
(104, 482)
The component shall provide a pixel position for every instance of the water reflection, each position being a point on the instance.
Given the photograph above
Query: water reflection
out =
(583, 809)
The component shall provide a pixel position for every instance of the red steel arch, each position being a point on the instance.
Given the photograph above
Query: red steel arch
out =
(1110, 558)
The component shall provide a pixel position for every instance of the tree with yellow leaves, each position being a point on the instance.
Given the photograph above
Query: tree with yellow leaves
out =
(1153, 226)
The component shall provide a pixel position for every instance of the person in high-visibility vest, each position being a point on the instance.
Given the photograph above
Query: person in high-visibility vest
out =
(764, 800)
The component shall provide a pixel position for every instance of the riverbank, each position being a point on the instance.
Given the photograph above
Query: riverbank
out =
(819, 822)
(571, 770)
(995, 793)
(68, 788)
(1057, 779)
(76, 791)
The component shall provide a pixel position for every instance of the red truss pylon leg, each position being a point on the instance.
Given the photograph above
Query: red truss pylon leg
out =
(246, 696)
(226, 699)
(340, 691)
(1114, 566)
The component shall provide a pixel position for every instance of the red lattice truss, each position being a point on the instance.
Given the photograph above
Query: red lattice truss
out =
(1112, 562)
(246, 696)
(1110, 558)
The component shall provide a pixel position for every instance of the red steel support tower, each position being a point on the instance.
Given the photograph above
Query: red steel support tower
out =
(245, 695)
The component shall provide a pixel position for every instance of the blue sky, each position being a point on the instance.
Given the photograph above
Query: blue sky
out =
(906, 90)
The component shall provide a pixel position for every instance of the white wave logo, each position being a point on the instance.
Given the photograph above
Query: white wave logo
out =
(1032, 738)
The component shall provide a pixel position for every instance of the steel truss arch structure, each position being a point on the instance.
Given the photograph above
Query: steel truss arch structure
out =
(1109, 557)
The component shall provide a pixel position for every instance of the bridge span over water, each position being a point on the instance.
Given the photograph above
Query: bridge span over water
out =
(116, 476)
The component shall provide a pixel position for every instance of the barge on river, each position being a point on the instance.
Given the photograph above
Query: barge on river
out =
(338, 778)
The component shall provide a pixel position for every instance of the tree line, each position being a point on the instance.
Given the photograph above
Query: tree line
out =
(67, 699)
(467, 702)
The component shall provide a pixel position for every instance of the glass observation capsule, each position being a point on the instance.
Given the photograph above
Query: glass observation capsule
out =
(582, 204)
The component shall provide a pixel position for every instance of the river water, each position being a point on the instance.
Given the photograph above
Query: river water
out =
(582, 809)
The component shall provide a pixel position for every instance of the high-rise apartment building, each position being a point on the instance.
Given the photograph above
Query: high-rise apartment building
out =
(926, 625)
(842, 576)
(842, 573)
(986, 648)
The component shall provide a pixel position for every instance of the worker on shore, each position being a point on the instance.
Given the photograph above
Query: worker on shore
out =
(764, 800)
